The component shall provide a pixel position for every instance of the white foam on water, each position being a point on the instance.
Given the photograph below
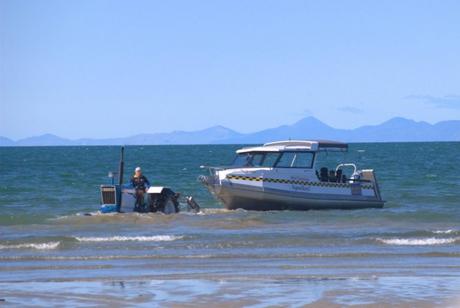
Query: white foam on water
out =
(154, 238)
(40, 246)
(213, 211)
(417, 241)
(444, 231)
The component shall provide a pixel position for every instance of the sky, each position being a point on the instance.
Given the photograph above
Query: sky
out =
(99, 69)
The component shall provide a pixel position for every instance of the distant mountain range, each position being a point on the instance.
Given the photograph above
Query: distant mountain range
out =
(396, 129)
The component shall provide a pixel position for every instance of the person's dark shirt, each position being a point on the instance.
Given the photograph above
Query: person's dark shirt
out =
(140, 182)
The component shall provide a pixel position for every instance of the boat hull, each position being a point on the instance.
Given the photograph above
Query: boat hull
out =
(241, 197)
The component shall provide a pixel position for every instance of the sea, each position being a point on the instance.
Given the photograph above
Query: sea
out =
(52, 254)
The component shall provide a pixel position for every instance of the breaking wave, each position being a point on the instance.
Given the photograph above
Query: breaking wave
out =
(417, 241)
(154, 238)
(39, 246)
(444, 231)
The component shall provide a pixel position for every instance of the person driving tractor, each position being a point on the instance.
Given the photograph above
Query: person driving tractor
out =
(140, 184)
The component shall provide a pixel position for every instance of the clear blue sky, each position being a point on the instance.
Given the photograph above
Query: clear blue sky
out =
(116, 68)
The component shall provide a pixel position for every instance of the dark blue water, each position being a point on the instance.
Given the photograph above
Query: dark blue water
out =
(408, 252)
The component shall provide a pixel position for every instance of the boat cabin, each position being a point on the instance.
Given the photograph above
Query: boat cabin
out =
(292, 154)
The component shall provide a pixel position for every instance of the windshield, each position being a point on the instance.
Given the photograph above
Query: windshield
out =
(271, 159)
(241, 160)
(259, 159)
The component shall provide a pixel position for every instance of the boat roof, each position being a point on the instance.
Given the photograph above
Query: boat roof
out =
(298, 145)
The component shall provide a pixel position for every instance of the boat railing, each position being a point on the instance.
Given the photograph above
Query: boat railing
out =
(346, 165)
(355, 177)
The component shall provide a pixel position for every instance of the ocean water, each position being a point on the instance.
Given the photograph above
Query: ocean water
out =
(407, 253)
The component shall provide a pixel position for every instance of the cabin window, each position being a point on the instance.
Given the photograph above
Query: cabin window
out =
(242, 160)
(257, 160)
(270, 159)
(248, 160)
(295, 160)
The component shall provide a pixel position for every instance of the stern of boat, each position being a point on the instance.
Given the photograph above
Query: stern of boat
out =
(368, 176)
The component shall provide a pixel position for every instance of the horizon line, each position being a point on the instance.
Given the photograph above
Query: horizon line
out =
(215, 126)
(203, 144)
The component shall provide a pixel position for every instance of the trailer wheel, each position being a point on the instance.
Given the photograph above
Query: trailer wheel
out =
(170, 206)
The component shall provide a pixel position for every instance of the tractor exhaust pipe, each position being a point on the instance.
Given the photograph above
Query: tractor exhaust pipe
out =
(121, 170)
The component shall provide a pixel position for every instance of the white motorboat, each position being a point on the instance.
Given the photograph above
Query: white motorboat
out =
(284, 175)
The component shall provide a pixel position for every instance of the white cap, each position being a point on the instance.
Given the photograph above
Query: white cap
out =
(138, 169)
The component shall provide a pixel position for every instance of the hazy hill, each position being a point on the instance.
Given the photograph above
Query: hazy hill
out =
(307, 128)
(6, 141)
(46, 139)
(396, 129)
(205, 136)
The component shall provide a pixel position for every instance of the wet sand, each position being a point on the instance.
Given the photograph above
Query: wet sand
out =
(256, 292)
